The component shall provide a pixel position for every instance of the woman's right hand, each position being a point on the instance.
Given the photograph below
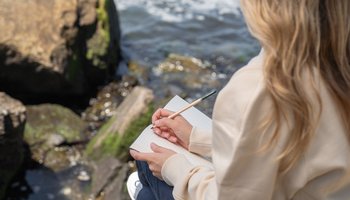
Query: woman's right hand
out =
(176, 130)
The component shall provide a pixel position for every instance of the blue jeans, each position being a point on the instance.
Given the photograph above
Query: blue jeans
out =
(153, 188)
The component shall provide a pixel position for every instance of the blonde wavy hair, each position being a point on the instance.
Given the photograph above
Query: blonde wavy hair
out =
(300, 36)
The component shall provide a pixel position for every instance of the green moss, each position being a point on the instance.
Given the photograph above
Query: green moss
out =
(133, 132)
(99, 43)
(90, 150)
(46, 119)
(114, 145)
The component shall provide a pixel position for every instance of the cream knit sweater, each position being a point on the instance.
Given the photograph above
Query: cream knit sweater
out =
(238, 172)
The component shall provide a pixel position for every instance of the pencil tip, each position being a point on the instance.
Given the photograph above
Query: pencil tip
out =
(209, 94)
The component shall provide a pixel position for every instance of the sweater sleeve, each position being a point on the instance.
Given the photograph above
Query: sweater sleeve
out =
(200, 142)
(238, 171)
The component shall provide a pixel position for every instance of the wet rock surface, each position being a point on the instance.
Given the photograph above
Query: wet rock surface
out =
(189, 72)
(104, 105)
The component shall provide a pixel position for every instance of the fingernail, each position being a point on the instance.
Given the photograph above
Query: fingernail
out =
(156, 122)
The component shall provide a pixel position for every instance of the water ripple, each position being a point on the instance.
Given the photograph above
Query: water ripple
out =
(182, 10)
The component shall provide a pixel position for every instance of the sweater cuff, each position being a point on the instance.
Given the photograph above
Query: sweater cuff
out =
(175, 168)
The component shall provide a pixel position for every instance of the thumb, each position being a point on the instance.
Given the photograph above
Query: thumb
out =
(157, 149)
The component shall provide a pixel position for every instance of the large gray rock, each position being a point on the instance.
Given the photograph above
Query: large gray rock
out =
(57, 47)
(12, 121)
(47, 127)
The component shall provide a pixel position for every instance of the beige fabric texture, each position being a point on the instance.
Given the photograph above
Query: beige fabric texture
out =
(239, 172)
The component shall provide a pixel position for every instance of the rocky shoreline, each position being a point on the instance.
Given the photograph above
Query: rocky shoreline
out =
(52, 55)
(66, 119)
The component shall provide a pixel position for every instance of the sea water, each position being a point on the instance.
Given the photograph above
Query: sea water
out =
(213, 31)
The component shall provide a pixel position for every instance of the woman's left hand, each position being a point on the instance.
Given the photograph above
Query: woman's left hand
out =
(155, 160)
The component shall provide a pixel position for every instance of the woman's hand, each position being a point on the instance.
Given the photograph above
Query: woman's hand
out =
(175, 130)
(155, 160)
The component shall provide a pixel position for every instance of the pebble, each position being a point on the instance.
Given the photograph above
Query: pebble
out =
(67, 191)
(83, 176)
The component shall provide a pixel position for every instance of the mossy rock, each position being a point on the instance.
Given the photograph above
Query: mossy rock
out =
(98, 45)
(132, 116)
(46, 119)
(115, 144)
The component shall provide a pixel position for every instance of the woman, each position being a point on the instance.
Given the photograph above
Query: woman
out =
(281, 125)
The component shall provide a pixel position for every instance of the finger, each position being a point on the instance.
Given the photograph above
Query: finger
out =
(173, 139)
(156, 115)
(158, 175)
(161, 113)
(141, 156)
(151, 167)
(165, 129)
(158, 149)
(160, 130)
(157, 131)
(165, 122)
(165, 135)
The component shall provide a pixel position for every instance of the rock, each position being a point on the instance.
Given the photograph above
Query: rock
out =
(104, 171)
(58, 159)
(53, 52)
(12, 121)
(108, 99)
(109, 179)
(132, 107)
(55, 140)
(142, 72)
(116, 189)
(87, 12)
(185, 71)
(48, 126)
(110, 134)
(179, 63)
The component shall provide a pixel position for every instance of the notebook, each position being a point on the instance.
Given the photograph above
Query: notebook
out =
(193, 116)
